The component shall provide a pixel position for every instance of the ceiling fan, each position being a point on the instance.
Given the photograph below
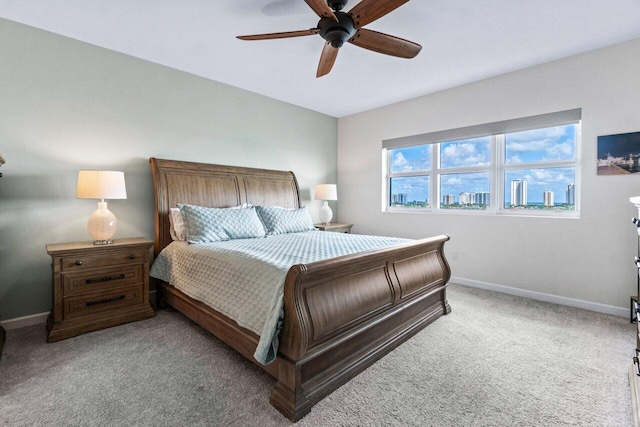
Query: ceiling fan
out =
(337, 27)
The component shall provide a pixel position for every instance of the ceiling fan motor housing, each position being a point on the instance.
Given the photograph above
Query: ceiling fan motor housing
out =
(339, 32)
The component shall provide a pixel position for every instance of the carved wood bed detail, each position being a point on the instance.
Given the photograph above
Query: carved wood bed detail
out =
(341, 314)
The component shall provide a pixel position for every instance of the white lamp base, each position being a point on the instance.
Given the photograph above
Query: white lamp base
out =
(102, 225)
(325, 213)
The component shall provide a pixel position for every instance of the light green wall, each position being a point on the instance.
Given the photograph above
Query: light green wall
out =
(587, 260)
(67, 105)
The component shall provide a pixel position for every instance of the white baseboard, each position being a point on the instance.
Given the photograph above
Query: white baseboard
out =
(571, 302)
(21, 322)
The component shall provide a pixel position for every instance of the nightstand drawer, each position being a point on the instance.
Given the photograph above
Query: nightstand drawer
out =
(95, 303)
(81, 262)
(83, 282)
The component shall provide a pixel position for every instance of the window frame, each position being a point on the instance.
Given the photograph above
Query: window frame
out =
(497, 168)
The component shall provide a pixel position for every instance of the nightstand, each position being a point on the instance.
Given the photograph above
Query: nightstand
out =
(98, 286)
(336, 227)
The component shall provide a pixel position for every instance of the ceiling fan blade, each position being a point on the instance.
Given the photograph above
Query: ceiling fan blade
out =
(284, 35)
(322, 9)
(327, 59)
(368, 11)
(384, 43)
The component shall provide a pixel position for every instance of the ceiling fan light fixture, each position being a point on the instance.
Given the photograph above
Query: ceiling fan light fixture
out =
(337, 37)
(337, 5)
(337, 33)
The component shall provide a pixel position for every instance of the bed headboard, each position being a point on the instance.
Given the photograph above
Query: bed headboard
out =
(215, 186)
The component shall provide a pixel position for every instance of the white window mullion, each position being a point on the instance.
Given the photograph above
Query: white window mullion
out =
(434, 192)
(498, 172)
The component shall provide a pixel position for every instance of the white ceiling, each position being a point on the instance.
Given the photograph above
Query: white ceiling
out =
(462, 41)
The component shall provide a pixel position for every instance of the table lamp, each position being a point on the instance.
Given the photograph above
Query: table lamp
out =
(102, 224)
(326, 192)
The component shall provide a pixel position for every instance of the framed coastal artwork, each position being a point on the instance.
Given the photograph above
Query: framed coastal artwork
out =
(619, 154)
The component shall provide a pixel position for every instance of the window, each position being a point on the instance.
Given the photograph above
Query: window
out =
(540, 169)
(409, 186)
(524, 166)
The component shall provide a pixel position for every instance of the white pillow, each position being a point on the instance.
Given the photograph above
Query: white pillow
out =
(176, 225)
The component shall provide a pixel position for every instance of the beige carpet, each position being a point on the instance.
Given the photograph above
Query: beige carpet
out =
(496, 360)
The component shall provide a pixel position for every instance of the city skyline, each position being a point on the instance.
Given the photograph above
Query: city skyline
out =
(519, 193)
(541, 180)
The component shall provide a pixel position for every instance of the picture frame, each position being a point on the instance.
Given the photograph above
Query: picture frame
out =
(619, 154)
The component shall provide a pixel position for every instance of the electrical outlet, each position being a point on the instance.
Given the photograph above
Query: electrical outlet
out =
(454, 255)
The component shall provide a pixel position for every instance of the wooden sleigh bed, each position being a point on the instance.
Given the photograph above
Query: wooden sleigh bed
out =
(341, 314)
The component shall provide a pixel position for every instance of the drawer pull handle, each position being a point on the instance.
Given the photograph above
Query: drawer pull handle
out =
(132, 256)
(104, 279)
(78, 262)
(103, 301)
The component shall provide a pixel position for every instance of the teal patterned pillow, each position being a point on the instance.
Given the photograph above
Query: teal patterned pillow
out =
(278, 220)
(215, 224)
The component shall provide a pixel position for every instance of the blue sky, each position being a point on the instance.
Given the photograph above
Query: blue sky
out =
(539, 145)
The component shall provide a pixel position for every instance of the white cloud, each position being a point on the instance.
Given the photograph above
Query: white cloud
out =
(546, 134)
(451, 180)
(544, 141)
(463, 154)
(524, 146)
(400, 162)
(560, 151)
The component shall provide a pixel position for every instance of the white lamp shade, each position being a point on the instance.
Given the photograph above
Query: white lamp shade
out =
(101, 185)
(326, 192)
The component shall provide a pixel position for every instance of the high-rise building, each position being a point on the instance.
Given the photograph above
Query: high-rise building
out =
(448, 199)
(467, 198)
(399, 198)
(483, 198)
(571, 194)
(518, 192)
(548, 198)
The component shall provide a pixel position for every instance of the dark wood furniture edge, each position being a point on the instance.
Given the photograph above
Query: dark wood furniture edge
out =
(634, 386)
(383, 297)
(3, 338)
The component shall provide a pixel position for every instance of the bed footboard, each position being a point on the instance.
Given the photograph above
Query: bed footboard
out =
(343, 314)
